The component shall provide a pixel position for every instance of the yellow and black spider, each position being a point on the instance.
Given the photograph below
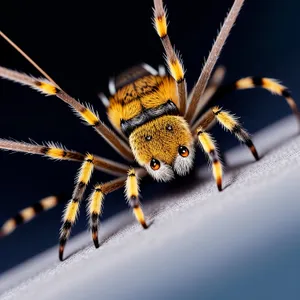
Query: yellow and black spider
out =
(156, 124)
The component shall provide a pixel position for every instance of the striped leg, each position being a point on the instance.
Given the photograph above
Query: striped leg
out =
(86, 112)
(208, 145)
(132, 194)
(230, 123)
(201, 84)
(95, 204)
(59, 152)
(174, 63)
(28, 213)
(269, 84)
(72, 207)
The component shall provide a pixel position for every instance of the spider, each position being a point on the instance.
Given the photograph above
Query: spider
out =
(156, 124)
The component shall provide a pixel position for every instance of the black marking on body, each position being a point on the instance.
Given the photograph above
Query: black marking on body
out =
(38, 207)
(67, 225)
(286, 93)
(168, 108)
(236, 129)
(257, 81)
(95, 217)
(19, 219)
(213, 156)
(45, 150)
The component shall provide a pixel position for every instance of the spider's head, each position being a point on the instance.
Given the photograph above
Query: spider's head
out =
(164, 146)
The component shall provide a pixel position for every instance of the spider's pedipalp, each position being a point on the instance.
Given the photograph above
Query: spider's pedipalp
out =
(213, 56)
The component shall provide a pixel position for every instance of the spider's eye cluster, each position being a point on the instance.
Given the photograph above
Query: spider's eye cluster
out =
(155, 164)
(183, 151)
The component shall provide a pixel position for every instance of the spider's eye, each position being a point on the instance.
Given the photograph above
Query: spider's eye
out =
(154, 164)
(169, 127)
(183, 151)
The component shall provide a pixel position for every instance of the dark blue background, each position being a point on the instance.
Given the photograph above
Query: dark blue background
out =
(81, 45)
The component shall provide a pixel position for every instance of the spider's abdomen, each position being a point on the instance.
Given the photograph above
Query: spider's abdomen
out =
(141, 101)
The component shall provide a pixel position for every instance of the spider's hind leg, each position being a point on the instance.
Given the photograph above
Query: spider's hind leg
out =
(29, 213)
(269, 84)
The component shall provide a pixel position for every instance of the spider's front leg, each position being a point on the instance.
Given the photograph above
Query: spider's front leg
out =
(209, 147)
(229, 122)
(72, 207)
(132, 194)
(96, 199)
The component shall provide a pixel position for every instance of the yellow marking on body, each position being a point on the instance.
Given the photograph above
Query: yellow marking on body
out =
(96, 201)
(55, 152)
(71, 211)
(27, 213)
(140, 216)
(206, 142)
(228, 121)
(273, 86)
(146, 92)
(47, 88)
(245, 83)
(86, 169)
(9, 226)
(161, 25)
(89, 116)
(176, 69)
(49, 202)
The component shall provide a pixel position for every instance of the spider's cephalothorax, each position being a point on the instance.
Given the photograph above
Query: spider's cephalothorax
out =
(145, 109)
(156, 123)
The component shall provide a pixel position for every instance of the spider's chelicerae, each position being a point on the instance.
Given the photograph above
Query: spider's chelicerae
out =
(155, 124)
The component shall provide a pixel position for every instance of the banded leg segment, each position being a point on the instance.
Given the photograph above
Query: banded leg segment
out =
(95, 204)
(132, 195)
(201, 84)
(86, 112)
(72, 207)
(29, 213)
(59, 152)
(269, 84)
(230, 123)
(174, 63)
(208, 145)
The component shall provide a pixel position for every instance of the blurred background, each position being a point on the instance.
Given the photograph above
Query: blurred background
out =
(81, 45)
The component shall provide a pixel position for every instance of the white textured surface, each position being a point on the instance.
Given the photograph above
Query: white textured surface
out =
(243, 243)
